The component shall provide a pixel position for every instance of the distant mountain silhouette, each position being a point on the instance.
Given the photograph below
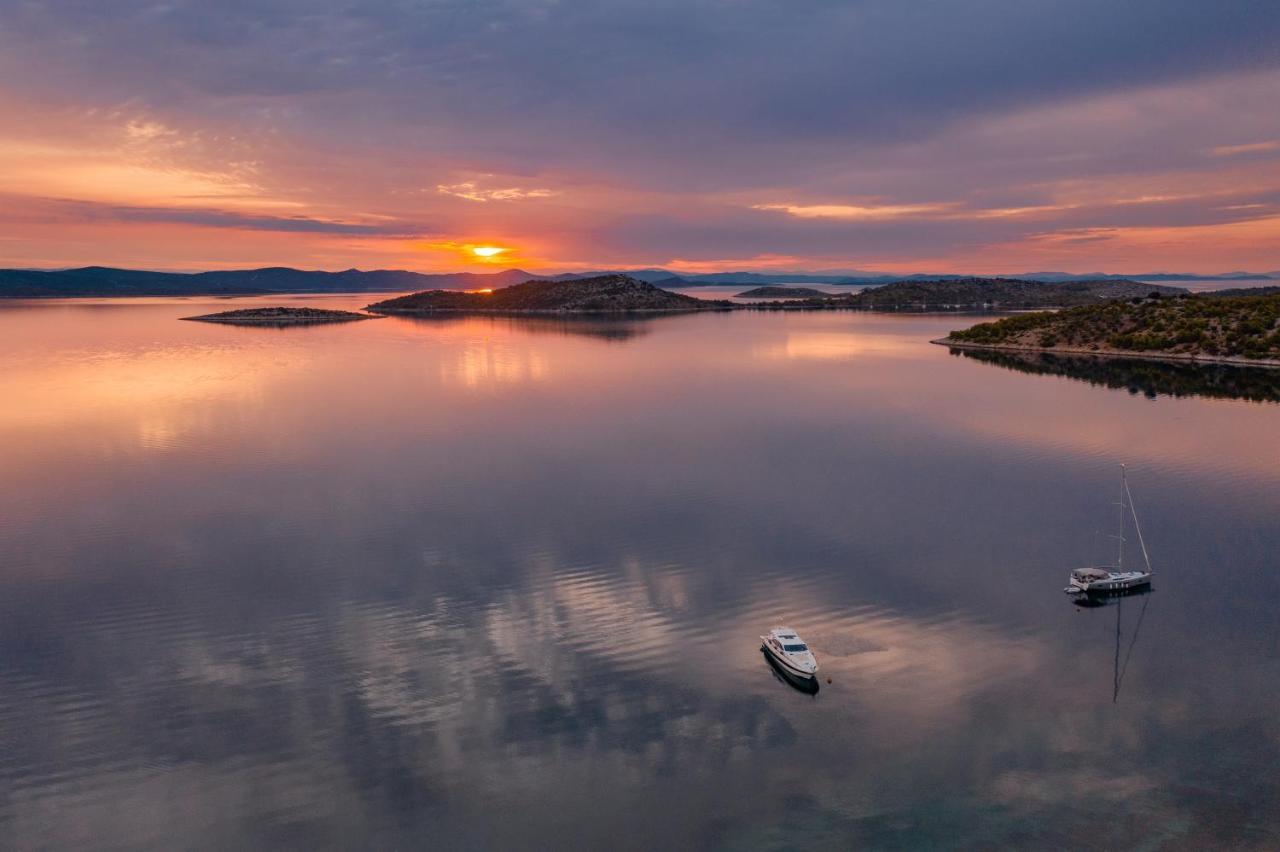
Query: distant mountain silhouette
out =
(106, 281)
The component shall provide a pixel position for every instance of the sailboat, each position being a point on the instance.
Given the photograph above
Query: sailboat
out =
(1115, 579)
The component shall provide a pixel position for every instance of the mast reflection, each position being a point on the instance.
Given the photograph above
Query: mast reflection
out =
(1120, 661)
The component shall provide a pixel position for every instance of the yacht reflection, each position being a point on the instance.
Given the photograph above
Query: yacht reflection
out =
(1120, 661)
(1141, 376)
(807, 685)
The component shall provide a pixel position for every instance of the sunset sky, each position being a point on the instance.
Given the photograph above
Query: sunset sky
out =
(987, 136)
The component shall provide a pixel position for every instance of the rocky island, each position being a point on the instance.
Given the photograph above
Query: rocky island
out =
(615, 293)
(281, 316)
(1222, 329)
(966, 294)
(781, 292)
(605, 294)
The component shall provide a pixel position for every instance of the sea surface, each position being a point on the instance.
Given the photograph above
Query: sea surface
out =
(498, 583)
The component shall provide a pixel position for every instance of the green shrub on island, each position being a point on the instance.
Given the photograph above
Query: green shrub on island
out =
(1202, 326)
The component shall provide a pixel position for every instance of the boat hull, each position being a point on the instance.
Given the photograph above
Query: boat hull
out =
(789, 668)
(807, 684)
(1116, 586)
(1101, 599)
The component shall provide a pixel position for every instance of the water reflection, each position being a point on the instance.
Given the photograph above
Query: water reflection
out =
(487, 362)
(807, 685)
(1140, 376)
(315, 589)
(841, 345)
(613, 329)
(1115, 601)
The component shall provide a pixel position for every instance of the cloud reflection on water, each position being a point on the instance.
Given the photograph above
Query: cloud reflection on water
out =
(359, 600)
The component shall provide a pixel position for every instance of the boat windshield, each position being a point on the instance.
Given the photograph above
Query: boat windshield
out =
(795, 648)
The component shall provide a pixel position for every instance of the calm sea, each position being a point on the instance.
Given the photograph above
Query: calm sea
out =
(499, 583)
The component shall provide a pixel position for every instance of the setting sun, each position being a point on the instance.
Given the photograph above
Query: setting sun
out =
(487, 251)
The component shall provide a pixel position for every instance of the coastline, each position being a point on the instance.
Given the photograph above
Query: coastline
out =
(1175, 357)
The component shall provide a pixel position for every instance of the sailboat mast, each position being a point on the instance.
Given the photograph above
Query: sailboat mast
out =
(1138, 527)
(1124, 487)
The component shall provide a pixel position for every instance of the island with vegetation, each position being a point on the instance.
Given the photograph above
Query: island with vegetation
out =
(281, 316)
(783, 292)
(967, 294)
(615, 293)
(1227, 329)
(604, 294)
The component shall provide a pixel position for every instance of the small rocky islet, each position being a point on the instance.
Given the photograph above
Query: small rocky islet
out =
(783, 292)
(281, 316)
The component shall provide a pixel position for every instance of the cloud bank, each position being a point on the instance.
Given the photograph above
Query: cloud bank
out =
(872, 134)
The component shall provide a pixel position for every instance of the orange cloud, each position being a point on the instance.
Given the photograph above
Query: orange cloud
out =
(755, 262)
(854, 211)
(473, 192)
(952, 210)
(1248, 148)
(1189, 248)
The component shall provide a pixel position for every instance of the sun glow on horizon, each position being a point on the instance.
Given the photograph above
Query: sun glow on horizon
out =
(475, 255)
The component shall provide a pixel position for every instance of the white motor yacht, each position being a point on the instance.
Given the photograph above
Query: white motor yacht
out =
(789, 651)
(1109, 580)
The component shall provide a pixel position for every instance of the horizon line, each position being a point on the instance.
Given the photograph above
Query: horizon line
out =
(1232, 274)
